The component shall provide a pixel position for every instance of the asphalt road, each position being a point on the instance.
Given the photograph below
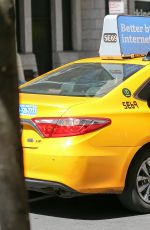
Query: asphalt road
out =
(102, 212)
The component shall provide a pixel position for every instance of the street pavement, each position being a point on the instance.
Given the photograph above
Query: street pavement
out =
(100, 212)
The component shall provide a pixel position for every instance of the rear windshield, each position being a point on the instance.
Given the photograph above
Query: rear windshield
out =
(83, 80)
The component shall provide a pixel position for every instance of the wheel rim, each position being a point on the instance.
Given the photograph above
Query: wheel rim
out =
(143, 181)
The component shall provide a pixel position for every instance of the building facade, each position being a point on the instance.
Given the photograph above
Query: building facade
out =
(53, 32)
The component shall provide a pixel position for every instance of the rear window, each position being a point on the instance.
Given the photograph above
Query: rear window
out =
(83, 80)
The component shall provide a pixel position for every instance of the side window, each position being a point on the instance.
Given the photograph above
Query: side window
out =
(144, 93)
(67, 24)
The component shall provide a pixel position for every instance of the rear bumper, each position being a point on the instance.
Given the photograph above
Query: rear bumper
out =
(101, 170)
(50, 187)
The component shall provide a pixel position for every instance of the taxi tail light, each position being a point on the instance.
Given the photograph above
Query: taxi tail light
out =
(65, 127)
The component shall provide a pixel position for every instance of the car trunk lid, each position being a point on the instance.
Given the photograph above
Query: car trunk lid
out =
(36, 105)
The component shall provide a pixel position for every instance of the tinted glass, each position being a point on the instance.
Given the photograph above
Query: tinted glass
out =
(144, 94)
(84, 80)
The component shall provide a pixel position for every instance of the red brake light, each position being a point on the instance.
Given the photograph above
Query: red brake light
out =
(71, 126)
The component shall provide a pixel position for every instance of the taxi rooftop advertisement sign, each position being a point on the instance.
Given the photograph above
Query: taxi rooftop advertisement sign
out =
(125, 36)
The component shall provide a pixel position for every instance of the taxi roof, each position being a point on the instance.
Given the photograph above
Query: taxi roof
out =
(137, 61)
(127, 37)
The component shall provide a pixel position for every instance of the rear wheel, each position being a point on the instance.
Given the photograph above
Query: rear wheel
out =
(136, 195)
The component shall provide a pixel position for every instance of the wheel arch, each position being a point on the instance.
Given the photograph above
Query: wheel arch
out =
(136, 156)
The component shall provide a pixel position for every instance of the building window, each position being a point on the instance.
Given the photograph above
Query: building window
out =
(41, 34)
(67, 24)
(18, 26)
(142, 8)
(106, 7)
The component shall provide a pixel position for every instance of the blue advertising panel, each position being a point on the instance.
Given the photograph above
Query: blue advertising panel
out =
(134, 34)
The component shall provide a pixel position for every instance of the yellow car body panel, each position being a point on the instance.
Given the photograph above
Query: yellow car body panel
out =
(98, 161)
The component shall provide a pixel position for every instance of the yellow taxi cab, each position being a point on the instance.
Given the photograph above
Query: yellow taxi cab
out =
(86, 125)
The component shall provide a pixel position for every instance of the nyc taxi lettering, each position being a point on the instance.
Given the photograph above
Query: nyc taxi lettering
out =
(130, 105)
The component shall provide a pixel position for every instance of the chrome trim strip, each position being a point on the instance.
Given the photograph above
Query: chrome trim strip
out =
(31, 123)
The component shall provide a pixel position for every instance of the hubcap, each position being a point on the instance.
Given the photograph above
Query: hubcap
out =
(143, 181)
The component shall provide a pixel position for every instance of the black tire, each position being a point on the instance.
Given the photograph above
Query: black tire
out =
(133, 197)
